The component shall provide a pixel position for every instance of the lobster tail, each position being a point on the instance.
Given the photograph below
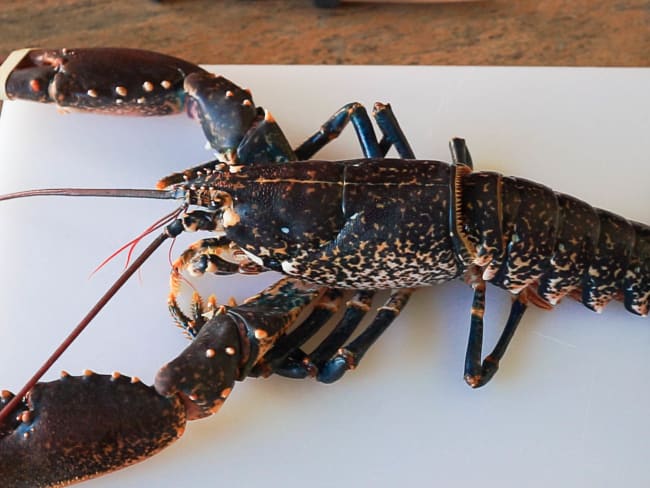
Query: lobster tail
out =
(541, 246)
(525, 235)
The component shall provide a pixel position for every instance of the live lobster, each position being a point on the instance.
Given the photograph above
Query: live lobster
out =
(351, 197)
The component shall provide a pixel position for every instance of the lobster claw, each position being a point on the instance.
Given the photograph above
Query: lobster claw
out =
(111, 80)
(213, 96)
(204, 374)
(26, 74)
(78, 427)
(229, 345)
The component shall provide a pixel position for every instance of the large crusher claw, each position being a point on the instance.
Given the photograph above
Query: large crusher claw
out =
(80, 426)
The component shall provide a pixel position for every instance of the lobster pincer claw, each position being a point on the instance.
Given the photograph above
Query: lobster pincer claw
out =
(112, 80)
(204, 374)
(214, 95)
(75, 428)
(230, 344)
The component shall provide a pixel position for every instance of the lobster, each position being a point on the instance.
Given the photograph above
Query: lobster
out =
(460, 246)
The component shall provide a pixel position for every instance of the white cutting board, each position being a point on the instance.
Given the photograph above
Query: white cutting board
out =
(570, 404)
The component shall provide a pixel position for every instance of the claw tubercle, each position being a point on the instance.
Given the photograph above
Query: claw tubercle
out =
(268, 117)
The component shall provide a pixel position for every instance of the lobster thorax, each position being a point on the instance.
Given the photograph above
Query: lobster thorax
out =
(349, 223)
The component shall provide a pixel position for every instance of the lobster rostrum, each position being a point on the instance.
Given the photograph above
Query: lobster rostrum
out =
(365, 225)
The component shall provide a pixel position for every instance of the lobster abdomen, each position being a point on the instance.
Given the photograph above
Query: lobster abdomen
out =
(524, 234)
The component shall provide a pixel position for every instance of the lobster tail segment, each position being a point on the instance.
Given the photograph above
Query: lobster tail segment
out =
(76, 428)
(611, 257)
(636, 287)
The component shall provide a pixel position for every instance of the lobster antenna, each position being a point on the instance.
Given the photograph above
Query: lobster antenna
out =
(123, 278)
(98, 192)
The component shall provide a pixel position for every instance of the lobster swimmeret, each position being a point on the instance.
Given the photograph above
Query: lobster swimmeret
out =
(366, 224)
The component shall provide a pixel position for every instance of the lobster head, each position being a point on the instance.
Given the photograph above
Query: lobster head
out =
(271, 211)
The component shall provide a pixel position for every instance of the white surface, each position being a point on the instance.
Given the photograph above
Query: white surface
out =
(570, 404)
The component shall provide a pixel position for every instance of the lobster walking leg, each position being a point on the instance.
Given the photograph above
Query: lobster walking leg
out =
(276, 360)
(357, 114)
(348, 357)
(460, 152)
(393, 133)
(216, 255)
(352, 112)
(301, 365)
(331, 359)
(357, 308)
(478, 373)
